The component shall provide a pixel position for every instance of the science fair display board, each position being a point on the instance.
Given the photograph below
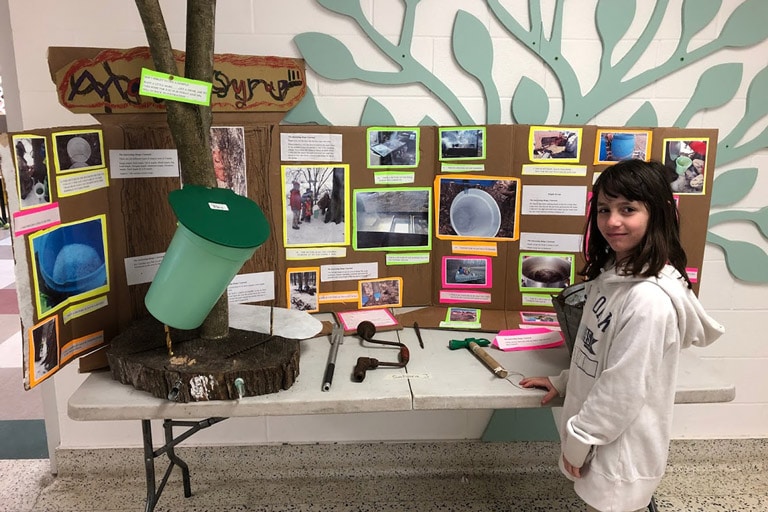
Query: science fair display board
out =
(477, 225)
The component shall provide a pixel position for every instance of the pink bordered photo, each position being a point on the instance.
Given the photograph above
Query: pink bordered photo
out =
(466, 272)
(382, 318)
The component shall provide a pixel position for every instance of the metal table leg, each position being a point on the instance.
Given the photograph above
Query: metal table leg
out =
(154, 491)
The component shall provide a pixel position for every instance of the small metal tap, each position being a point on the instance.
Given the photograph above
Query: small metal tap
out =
(173, 394)
(240, 387)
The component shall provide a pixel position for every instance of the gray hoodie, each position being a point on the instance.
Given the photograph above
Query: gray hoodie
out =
(620, 388)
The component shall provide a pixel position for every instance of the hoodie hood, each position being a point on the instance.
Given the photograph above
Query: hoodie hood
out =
(696, 326)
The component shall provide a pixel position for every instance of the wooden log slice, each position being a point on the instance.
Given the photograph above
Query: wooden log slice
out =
(200, 369)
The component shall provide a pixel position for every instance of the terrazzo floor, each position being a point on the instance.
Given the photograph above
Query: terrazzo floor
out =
(704, 476)
(22, 430)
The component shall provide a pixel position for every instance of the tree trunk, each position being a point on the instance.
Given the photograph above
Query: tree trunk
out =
(200, 370)
(190, 124)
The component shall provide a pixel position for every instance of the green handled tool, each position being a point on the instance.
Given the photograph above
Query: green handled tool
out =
(476, 346)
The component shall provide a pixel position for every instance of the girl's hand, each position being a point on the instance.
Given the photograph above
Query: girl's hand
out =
(541, 383)
(574, 471)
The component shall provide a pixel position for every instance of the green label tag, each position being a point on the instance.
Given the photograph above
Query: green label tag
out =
(169, 87)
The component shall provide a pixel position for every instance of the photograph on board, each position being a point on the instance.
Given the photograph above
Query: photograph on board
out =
(302, 286)
(466, 272)
(393, 219)
(545, 272)
(686, 163)
(69, 263)
(315, 209)
(43, 342)
(538, 317)
(31, 153)
(78, 150)
(473, 208)
(547, 143)
(228, 151)
(617, 145)
(393, 147)
(470, 315)
(380, 293)
(466, 143)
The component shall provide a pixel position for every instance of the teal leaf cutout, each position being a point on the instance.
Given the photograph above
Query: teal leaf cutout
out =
(473, 50)
(530, 104)
(472, 45)
(306, 112)
(746, 25)
(427, 121)
(613, 18)
(327, 56)
(347, 7)
(645, 116)
(757, 92)
(731, 186)
(758, 218)
(715, 88)
(697, 15)
(745, 261)
(376, 114)
(756, 107)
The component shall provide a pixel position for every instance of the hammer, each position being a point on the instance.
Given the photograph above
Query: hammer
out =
(476, 346)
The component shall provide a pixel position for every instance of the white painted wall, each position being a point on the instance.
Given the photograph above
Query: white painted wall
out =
(267, 28)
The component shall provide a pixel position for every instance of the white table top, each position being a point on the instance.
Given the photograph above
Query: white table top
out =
(458, 380)
(102, 398)
(435, 378)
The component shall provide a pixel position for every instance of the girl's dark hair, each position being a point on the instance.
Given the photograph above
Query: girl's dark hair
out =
(646, 182)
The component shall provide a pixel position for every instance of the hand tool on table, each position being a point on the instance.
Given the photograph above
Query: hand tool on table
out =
(337, 338)
(366, 330)
(418, 334)
(475, 345)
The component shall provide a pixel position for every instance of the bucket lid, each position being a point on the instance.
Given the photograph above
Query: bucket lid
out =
(220, 216)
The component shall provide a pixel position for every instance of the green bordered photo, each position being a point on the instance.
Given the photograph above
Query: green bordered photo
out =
(462, 143)
(393, 147)
(392, 219)
(545, 272)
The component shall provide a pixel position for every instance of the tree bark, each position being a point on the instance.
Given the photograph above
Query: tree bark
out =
(200, 370)
(190, 124)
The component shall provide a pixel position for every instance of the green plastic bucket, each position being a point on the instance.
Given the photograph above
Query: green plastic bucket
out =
(218, 231)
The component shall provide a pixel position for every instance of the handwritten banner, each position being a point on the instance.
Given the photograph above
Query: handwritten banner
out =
(109, 81)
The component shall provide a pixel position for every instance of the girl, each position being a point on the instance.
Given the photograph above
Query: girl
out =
(639, 312)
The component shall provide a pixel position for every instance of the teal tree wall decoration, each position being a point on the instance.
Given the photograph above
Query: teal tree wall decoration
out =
(473, 51)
